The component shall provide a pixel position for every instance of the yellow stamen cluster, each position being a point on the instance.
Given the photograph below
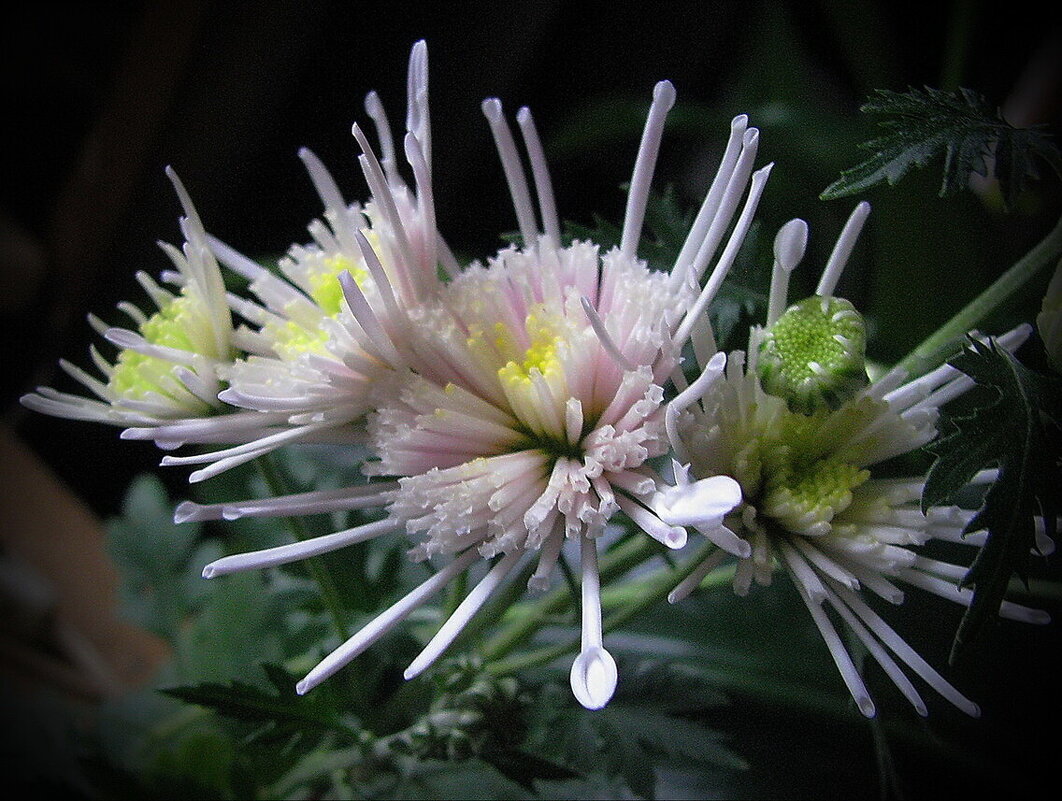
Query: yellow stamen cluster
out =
(137, 375)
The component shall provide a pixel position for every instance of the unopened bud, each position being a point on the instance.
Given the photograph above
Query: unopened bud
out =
(814, 355)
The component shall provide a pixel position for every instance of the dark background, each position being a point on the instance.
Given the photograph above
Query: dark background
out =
(101, 97)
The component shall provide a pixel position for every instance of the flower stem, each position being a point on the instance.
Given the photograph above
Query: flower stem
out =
(651, 592)
(934, 349)
(318, 572)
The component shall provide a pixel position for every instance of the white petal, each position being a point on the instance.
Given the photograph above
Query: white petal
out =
(593, 677)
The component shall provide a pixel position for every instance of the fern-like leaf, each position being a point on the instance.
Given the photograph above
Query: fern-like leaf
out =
(921, 125)
(1017, 430)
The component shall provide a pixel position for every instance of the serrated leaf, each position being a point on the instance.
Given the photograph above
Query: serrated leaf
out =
(665, 230)
(1017, 430)
(278, 713)
(317, 763)
(961, 128)
(625, 754)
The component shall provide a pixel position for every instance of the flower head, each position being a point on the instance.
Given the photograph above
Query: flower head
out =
(812, 498)
(328, 333)
(167, 370)
(532, 402)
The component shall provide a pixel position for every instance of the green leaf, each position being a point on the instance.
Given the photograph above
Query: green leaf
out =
(523, 767)
(1018, 431)
(241, 624)
(153, 554)
(276, 714)
(960, 127)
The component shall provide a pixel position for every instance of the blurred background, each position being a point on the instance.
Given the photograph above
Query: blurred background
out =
(101, 97)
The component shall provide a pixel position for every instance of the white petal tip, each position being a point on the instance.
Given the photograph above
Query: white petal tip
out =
(121, 337)
(866, 706)
(740, 122)
(790, 244)
(538, 584)
(703, 503)
(185, 511)
(676, 538)
(492, 108)
(664, 93)
(303, 687)
(410, 673)
(1038, 617)
(209, 572)
(593, 677)
(743, 550)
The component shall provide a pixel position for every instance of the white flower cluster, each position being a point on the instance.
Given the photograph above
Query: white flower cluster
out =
(522, 402)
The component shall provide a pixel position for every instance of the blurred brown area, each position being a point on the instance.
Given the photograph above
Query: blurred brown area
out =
(59, 619)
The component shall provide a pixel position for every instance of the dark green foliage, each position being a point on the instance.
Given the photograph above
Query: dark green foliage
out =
(962, 127)
(275, 715)
(153, 553)
(652, 721)
(1016, 430)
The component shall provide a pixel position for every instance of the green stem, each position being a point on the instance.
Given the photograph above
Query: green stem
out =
(935, 348)
(528, 619)
(325, 584)
(652, 592)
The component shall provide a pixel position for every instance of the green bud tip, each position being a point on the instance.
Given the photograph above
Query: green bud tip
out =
(814, 355)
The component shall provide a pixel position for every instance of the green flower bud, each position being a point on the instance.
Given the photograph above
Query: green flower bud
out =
(814, 355)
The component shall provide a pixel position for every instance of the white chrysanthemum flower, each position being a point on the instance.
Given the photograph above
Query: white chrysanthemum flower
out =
(533, 403)
(331, 330)
(167, 370)
(812, 499)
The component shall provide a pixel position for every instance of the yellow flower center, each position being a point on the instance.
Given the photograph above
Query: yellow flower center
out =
(291, 339)
(135, 375)
(325, 288)
(790, 474)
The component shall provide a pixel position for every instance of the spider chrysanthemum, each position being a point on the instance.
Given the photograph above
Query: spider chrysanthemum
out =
(532, 402)
(167, 370)
(326, 333)
(812, 498)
